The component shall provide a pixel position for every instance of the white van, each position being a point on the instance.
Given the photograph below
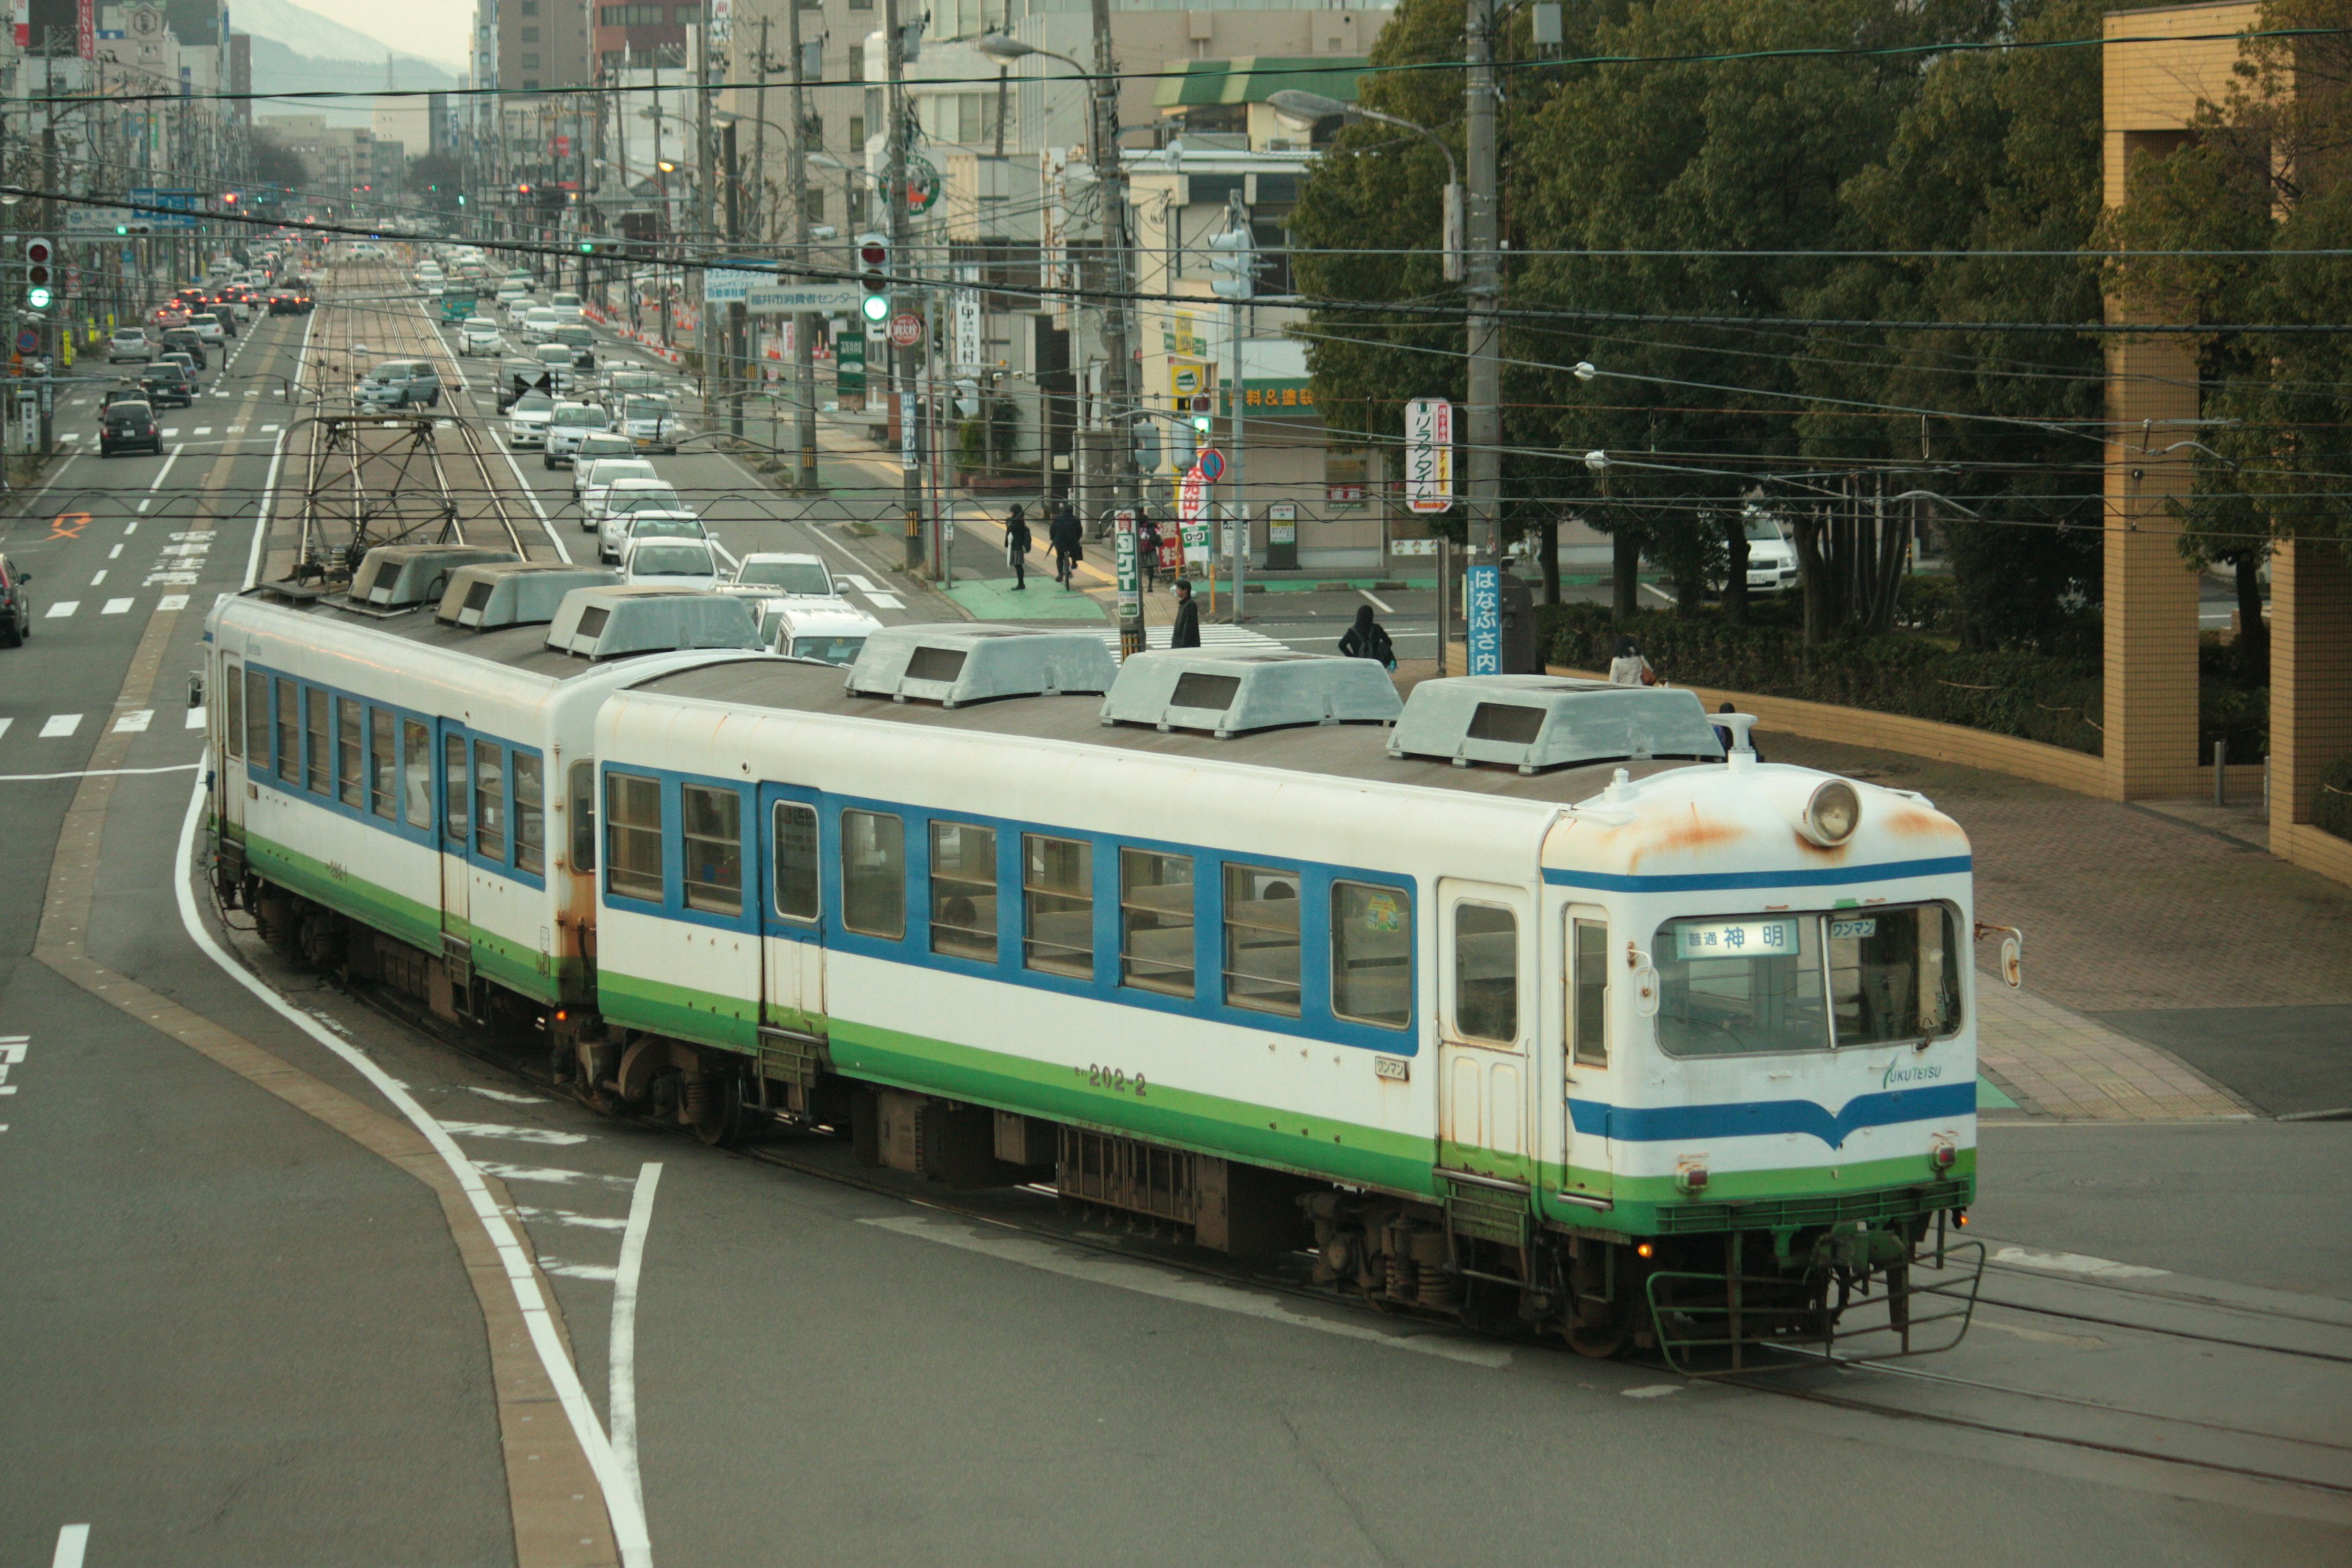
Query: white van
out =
(1771, 558)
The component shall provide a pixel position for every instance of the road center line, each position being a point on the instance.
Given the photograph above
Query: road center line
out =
(621, 1398)
(73, 1539)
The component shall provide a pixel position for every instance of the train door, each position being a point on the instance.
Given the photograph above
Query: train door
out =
(457, 872)
(791, 920)
(1486, 1015)
(1588, 994)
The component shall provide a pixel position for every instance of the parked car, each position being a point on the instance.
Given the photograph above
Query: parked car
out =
(400, 383)
(567, 426)
(128, 343)
(1771, 558)
(128, 425)
(670, 563)
(527, 419)
(165, 384)
(16, 606)
(652, 422)
(829, 631)
(479, 335)
(623, 500)
(600, 447)
(774, 574)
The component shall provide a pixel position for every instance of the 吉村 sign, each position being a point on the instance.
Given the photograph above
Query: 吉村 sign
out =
(1483, 593)
(1428, 454)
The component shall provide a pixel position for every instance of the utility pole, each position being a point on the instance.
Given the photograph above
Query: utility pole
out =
(707, 219)
(1483, 492)
(1110, 175)
(910, 478)
(803, 324)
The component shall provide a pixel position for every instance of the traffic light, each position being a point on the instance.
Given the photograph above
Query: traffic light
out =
(587, 248)
(40, 258)
(1201, 419)
(1232, 257)
(874, 274)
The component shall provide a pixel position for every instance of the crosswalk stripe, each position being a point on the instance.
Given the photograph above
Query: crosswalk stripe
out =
(1211, 636)
(135, 721)
(63, 608)
(171, 435)
(60, 725)
(4, 725)
(172, 602)
(117, 607)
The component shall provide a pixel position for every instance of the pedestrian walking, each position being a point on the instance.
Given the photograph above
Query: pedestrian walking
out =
(1628, 668)
(1147, 547)
(1017, 545)
(1067, 549)
(1367, 639)
(1186, 632)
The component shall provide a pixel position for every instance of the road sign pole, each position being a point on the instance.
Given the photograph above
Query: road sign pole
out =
(1131, 582)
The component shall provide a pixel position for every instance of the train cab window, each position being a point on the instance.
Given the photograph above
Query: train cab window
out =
(490, 801)
(256, 719)
(1262, 939)
(797, 898)
(712, 821)
(289, 732)
(1742, 984)
(382, 791)
(1893, 973)
(416, 771)
(350, 722)
(1057, 905)
(232, 715)
(873, 874)
(454, 790)
(1588, 991)
(530, 815)
(1486, 971)
(1371, 953)
(314, 742)
(1155, 921)
(583, 815)
(633, 836)
(963, 890)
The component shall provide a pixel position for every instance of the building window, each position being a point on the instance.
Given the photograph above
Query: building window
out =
(796, 861)
(531, 815)
(963, 890)
(1262, 939)
(452, 789)
(857, 134)
(530, 63)
(873, 874)
(489, 801)
(1155, 921)
(584, 814)
(530, 36)
(633, 836)
(530, 7)
(530, 84)
(1485, 973)
(1057, 905)
(349, 718)
(857, 62)
(1371, 954)
(712, 821)
(380, 776)
(314, 742)
(1588, 991)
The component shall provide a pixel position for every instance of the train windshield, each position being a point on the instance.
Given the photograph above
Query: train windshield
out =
(1750, 984)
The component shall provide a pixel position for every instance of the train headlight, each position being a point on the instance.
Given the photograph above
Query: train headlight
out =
(1831, 815)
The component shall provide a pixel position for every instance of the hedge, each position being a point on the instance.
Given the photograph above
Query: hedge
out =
(2331, 812)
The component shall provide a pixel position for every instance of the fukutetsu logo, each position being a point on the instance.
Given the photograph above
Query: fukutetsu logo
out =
(1897, 1075)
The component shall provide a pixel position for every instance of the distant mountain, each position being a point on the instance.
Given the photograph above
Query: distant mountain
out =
(305, 31)
(276, 68)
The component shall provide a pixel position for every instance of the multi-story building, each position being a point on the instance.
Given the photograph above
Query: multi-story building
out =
(543, 45)
(634, 32)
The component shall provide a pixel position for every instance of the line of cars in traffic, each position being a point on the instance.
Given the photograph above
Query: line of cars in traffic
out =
(174, 343)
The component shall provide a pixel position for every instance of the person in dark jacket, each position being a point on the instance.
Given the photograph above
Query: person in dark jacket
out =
(1367, 639)
(1017, 545)
(1186, 633)
(1063, 537)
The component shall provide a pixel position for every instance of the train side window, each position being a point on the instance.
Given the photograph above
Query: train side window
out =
(633, 836)
(873, 874)
(1057, 905)
(1155, 921)
(1588, 991)
(712, 821)
(452, 789)
(256, 719)
(1262, 939)
(350, 718)
(963, 890)
(289, 732)
(416, 771)
(530, 815)
(233, 717)
(583, 815)
(1371, 954)
(381, 791)
(314, 742)
(1486, 971)
(797, 898)
(490, 801)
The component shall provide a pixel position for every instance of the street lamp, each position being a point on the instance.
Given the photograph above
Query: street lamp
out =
(1005, 49)
(1303, 108)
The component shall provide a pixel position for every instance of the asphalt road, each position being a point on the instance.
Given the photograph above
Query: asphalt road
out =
(232, 1333)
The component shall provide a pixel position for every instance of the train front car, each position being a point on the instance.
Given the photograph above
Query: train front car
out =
(1769, 1051)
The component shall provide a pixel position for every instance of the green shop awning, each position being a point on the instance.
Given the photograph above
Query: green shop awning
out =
(1253, 78)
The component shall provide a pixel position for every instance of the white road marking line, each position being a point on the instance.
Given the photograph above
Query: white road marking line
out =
(503, 1097)
(114, 553)
(12, 1054)
(172, 602)
(117, 607)
(551, 1176)
(1651, 1391)
(143, 506)
(269, 429)
(1146, 1280)
(100, 578)
(195, 719)
(622, 1504)
(855, 581)
(513, 1134)
(171, 435)
(135, 722)
(73, 1539)
(62, 608)
(565, 1217)
(621, 1398)
(887, 601)
(2075, 1263)
(4, 725)
(203, 430)
(60, 725)
(98, 772)
(71, 436)
(132, 526)
(1382, 606)
(585, 1271)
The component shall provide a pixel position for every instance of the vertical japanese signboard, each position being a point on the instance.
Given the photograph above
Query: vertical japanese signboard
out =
(1192, 522)
(1130, 572)
(1428, 454)
(1483, 593)
(849, 369)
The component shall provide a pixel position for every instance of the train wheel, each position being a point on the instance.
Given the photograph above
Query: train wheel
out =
(1597, 1342)
(722, 1122)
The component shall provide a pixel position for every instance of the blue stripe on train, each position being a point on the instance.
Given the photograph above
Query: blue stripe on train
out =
(1759, 1118)
(1825, 876)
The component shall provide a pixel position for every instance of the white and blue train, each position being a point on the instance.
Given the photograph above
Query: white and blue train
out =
(1523, 997)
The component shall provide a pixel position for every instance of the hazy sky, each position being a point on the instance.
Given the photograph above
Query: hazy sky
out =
(436, 30)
